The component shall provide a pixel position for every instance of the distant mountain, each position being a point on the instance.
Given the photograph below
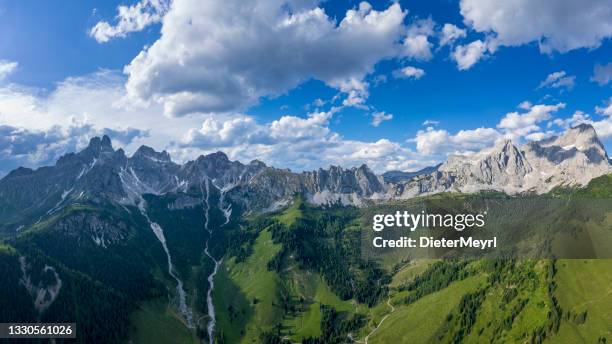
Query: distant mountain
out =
(401, 176)
(572, 159)
(101, 174)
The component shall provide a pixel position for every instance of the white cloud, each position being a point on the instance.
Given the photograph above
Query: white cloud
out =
(379, 117)
(199, 63)
(602, 74)
(518, 125)
(430, 122)
(36, 127)
(605, 111)
(78, 108)
(7, 68)
(558, 79)
(561, 25)
(525, 105)
(416, 42)
(540, 135)
(467, 55)
(409, 72)
(441, 142)
(312, 144)
(130, 19)
(578, 117)
(603, 126)
(21, 147)
(450, 33)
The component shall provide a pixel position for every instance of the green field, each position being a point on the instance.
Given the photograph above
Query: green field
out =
(247, 294)
(156, 322)
(420, 321)
(585, 285)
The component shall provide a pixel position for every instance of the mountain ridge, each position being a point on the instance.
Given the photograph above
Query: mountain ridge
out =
(99, 173)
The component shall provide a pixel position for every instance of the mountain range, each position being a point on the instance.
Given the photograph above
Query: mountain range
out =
(100, 173)
(213, 250)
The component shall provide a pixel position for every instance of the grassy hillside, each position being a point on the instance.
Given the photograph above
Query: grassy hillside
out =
(301, 274)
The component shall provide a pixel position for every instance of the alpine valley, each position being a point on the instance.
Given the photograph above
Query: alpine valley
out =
(141, 249)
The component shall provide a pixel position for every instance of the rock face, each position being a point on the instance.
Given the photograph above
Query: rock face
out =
(101, 174)
(572, 159)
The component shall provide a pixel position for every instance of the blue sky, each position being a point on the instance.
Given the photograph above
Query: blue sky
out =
(299, 83)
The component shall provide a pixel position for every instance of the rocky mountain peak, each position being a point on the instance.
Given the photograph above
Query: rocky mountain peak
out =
(147, 152)
(582, 137)
(97, 148)
(215, 157)
(100, 144)
(257, 164)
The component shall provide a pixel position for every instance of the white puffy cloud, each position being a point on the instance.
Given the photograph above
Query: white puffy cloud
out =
(21, 147)
(603, 126)
(37, 127)
(578, 117)
(409, 72)
(430, 122)
(450, 33)
(602, 74)
(561, 25)
(416, 44)
(558, 79)
(224, 56)
(516, 125)
(7, 68)
(130, 19)
(66, 118)
(439, 142)
(467, 55)
(312, 144)
(379, 117)
(525, 105)
(218, 133)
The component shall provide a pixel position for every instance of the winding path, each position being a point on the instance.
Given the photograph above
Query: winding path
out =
(365, 340)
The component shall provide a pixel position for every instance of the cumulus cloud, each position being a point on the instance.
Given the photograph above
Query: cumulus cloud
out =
(409, 72)
(416, 43)
(525, 105)
(561, 25)
(558, 79)
(430, 122)
(438, 142)
(602, 74)
(77, 109)
(33, 148)
(38, 127)
(313, 144)
(516, 125)
(224, 56)
(578, 117)
(467, 55)
(450, 33)
(379, 117)
(603, 125)
(7, 68)
(130, 19)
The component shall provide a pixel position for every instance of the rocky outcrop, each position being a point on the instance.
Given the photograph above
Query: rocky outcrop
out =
(572, 159)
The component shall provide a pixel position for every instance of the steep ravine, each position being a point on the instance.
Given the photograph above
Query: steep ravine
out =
(210, 329)
(182, 297)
